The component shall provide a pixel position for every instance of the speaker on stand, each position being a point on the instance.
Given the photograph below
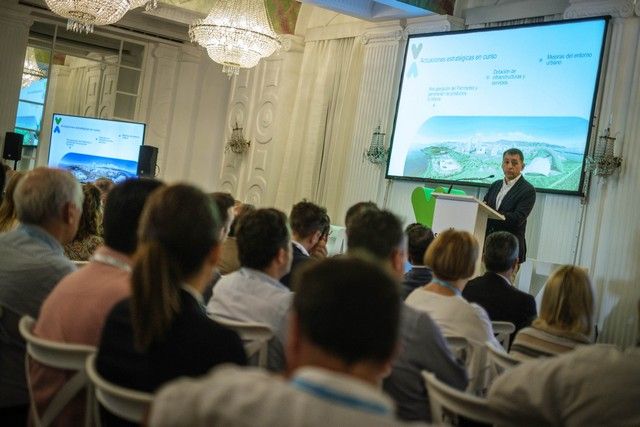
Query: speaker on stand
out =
(13, 147)
(147, 158)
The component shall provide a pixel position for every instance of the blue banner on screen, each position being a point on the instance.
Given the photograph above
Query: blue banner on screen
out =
(94, 148)
(465, 97)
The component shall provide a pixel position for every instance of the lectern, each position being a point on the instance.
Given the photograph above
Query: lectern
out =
(463, 213)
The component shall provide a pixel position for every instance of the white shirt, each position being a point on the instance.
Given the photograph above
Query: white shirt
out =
(231, 396)
(456, 317)
(249, 295)
(594, 385)
(506, 186)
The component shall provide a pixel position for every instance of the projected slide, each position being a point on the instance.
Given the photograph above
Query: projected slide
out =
(468, 96)
(93, 148)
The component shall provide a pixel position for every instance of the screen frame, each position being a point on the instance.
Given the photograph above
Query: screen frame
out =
(144, 127)
(596, 91)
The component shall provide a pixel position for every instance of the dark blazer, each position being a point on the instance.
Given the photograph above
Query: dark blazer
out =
(502, 301)
(192, 346)
(299, 259)
(516, 207)
(415, 278)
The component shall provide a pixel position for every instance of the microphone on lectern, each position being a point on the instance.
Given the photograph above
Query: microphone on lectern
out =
(471, 179)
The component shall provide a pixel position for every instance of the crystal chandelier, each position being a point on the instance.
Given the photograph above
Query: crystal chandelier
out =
(236, 34)
(237, 143)
(84, 14)
(377, 153)
(148, 4)
(31, 72)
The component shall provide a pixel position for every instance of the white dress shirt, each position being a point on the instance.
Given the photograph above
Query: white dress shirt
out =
(231, 396)
(506, 186)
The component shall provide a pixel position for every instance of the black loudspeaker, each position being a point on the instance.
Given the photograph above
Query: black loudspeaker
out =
(12, 146)
(147, 158)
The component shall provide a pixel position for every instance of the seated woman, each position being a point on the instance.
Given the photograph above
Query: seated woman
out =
(162, 332)
(8, 216)
(566, 316)
(89, 235)
(452, 257)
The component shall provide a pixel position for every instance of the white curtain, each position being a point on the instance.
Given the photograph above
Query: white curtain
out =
(77, 94)
(322, 123)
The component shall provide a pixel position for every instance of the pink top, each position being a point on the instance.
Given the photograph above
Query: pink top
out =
(75, 312)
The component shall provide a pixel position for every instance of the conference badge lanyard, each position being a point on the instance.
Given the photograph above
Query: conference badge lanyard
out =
(109, 260)
(447, 285)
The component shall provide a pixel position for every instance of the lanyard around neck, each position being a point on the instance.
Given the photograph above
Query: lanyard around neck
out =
(327, 393)
(447, 285)
(109, 260)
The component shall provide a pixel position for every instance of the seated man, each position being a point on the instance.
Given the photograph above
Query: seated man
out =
(49, 206)
(337, 357)
(77, 308)
(254, 293)
(422, 345)
(593, 385)
(309, 224)
(494, 291)
(419, 238)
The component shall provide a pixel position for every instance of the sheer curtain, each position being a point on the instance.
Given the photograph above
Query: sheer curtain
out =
(322, 123)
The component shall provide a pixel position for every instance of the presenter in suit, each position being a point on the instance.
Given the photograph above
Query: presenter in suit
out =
(514, 197)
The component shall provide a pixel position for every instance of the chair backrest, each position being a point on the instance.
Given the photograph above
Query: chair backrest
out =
(61, 356)
(500, 361)
(255, 337)
(503, 331)
(442, 396)
(126, 403)
(459, 347)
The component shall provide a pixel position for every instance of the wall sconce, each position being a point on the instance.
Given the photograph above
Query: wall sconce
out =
(237, 143)
(603, 162)
(376, 153)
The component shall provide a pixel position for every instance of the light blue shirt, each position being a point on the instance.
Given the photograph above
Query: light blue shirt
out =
(249, 295)
(32, 262)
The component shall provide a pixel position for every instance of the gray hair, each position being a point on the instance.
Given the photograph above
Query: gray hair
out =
(42, 194)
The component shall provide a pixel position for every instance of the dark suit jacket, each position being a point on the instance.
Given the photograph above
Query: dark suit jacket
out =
(516, 207)
(299, 259)
(502, 301)
(192, 346)
(415, 278)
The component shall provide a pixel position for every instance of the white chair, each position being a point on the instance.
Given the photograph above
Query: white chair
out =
(60, 356)
(503, 331)
(443, 397)
(499, 361)
(459, 347)
(255, 337)
(131, 405)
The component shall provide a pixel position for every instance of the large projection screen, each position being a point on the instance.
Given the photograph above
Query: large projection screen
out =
(467, 96)
(92, 148)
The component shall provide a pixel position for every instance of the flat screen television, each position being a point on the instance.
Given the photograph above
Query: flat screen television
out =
(92, 148)
(465, 97)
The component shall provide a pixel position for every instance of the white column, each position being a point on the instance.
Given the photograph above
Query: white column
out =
(14, 33)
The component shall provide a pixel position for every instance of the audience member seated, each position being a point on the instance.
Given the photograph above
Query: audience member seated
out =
(309, 226)
(494, 291)
(452, 256)
(8, 216)
(229, 259)
(3, 179)
(337, 357)
(254, 293)
(76, 309)
(225, 204)
(105, 185)
(89, 235)
(49, 205)
(566, 316)
(590, 386)
(162, 332)
(422, 345)
(419, 238)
